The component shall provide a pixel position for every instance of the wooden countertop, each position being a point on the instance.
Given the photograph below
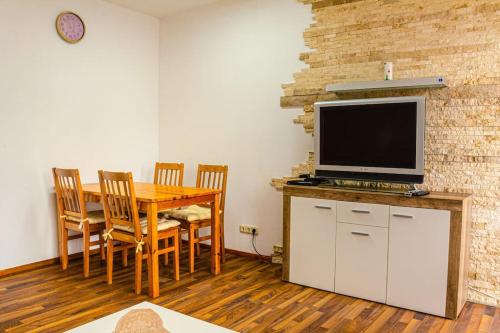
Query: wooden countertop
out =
(434, 200)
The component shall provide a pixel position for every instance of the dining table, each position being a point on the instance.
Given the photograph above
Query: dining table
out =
(152, 198)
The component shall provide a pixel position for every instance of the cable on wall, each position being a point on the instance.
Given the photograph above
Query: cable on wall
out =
(254, 245)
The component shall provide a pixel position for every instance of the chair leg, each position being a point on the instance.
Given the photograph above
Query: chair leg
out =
(165, 259)
(149, 260)
(191, 248)
(101, 246)
(179, 247)
(109, 262)
(197, 235)
(176, 254)
(86, 250)
(124, 255)
(64, 248)
(138, 273)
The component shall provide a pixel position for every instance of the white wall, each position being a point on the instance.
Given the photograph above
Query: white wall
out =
(91, 105)
(221, 70)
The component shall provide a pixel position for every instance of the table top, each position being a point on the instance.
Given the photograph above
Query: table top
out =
(147, 192)
(174, 322)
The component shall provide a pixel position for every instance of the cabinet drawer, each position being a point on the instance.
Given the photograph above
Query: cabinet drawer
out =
(312, 242)
(418, 259)
(363, 213)
(361, 269)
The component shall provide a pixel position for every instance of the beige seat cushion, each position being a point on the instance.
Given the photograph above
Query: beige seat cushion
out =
(190, 213)
(163, 224)
(94, 217)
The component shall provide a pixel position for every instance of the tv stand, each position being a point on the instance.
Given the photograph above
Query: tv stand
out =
(408, 252)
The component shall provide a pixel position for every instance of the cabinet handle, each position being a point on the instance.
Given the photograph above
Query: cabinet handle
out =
(359, 233)
(360, 211)
(403, 216)
(323, 207)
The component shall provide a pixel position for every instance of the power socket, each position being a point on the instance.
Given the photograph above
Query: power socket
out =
(248, 229)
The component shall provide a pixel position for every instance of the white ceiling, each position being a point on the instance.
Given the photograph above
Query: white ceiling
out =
(161, 8)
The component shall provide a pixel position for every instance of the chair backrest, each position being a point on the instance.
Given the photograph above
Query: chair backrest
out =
(213, 177)
(69, 193)
(118, 200)
(170, 174)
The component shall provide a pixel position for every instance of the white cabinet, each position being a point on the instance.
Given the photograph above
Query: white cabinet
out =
(409, 252)
(418, 259)
(312, 242)
(361, 261)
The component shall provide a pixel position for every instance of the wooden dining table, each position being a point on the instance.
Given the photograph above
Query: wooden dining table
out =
(152, 198)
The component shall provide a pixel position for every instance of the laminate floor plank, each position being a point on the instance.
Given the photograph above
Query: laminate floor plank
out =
(248, 296)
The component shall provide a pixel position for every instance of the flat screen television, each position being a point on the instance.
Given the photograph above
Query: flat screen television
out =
(379, 139)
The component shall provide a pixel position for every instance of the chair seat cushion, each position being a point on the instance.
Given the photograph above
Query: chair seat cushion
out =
(163, 224)
(94, 217)
(190, 213)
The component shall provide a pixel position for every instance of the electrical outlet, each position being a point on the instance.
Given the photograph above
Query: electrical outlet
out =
(248, 229)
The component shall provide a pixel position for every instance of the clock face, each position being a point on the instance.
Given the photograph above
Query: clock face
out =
(70, 27)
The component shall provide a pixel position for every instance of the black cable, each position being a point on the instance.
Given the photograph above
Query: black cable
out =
(262, 257)
(253, 243)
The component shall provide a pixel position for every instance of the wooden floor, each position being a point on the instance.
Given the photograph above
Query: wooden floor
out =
(247, 297)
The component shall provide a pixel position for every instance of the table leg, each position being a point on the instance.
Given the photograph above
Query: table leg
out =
(215, 233)
(153, 269)
(191, 247)
(176, 253)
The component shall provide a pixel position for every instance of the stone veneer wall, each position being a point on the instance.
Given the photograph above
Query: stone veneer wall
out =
(351, 39)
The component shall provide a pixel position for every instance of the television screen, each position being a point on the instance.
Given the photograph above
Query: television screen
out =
(379, 139)
(372, 135)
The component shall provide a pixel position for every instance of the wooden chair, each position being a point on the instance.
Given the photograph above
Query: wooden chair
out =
(124, 224)
(169, 174)
(195, 217)
(73, 215)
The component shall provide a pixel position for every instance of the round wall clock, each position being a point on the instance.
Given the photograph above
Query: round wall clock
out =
(70, 27)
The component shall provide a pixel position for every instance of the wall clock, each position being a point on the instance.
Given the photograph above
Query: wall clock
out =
(70, 27)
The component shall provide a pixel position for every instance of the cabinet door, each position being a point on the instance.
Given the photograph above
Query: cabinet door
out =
(312, 242)
(418, 259)
(361, 269)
